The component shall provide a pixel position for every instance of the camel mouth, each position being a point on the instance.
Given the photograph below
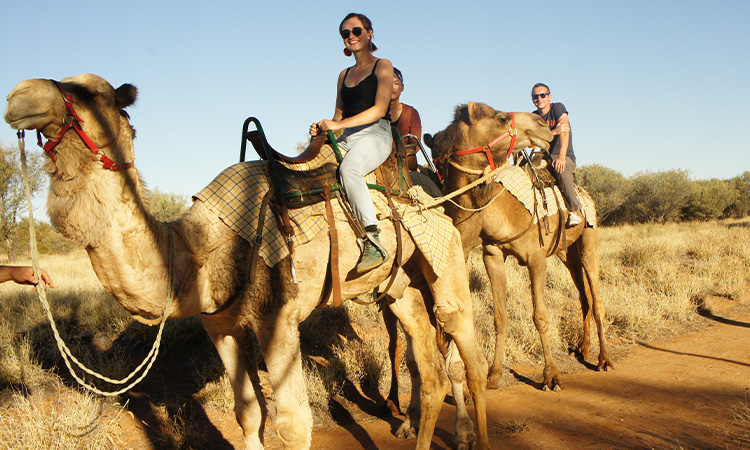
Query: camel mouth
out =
(539, 142)
(26, 122)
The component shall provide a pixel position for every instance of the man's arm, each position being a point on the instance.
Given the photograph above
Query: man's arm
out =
(563, 130)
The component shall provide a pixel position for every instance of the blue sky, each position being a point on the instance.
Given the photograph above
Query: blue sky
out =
(650, 85)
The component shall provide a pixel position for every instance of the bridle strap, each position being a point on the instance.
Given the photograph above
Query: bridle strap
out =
(72, 121)
(487, 149)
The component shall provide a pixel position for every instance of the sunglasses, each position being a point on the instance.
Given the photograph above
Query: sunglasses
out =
(542, 95)
(355, 31)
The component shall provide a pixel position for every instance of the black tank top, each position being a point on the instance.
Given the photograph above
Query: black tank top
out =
(361, 97)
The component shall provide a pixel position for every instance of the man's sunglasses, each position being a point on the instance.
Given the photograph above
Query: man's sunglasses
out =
(355, 31)
(536, 96)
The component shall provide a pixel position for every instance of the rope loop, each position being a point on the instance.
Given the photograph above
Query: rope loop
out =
(65, 352)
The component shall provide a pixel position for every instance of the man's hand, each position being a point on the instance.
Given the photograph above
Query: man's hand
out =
(559, 164)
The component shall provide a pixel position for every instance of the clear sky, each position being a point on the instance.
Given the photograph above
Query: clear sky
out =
(650, 85)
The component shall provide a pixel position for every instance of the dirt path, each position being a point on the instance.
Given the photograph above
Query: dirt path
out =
(671, 394)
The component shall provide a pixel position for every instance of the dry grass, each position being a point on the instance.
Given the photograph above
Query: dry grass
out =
(654, 278)
(740, 429)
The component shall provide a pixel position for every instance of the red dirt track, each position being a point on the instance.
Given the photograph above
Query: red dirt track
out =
(676, 393)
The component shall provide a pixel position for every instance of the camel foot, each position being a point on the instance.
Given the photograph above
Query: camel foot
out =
(552, 379)
(605, 365)
(466, 438)
(493, 381)
(392, 407)
(406, 431)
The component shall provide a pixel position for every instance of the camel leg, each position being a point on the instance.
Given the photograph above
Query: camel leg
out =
(278, 335)
(234, 353)
(453, 312)
(494, 263)
(537, 264)
(413, 316)
(591, 264)
(575, 267)
(464, 427)
(395, 353)
(410, 425)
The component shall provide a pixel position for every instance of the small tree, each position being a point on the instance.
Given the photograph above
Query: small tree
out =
(167, 207)
(658, 196)
(13, 192)
(48, 240)
(741, 205)
(607, 187)
(709, 199)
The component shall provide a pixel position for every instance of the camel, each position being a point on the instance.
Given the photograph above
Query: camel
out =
(504, 227)
(106, 212)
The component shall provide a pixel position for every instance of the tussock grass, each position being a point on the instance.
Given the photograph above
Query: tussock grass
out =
(740, 429)
(65, 419)
(654, 279)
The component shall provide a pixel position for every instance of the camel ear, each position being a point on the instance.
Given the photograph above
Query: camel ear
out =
(125, 96)
(428, 140)
(472, 109)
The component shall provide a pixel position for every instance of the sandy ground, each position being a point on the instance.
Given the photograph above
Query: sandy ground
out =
(676, 393)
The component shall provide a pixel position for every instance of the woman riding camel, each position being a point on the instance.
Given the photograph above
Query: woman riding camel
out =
(363, 98)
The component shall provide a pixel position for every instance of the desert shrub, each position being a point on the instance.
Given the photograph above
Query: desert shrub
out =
(607, 187)
(48, 241)
(657, 196)
(709, 199)
(167, 207)
(741, 205)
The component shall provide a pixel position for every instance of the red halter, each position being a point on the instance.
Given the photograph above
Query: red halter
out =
(487, 149)
(72, 121)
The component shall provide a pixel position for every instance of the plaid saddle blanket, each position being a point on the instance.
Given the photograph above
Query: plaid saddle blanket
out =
(518, 183)
(236, 193)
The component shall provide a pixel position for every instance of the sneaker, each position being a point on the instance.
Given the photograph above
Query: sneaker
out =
(573, 219)
(372, 255)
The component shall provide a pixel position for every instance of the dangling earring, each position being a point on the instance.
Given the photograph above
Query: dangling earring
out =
(347, 52)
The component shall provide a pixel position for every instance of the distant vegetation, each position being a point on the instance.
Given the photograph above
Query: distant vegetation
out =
(663, 196)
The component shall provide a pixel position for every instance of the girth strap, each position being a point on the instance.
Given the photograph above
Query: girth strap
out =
(334, 257)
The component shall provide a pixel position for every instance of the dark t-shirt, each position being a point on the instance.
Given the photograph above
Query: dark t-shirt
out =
(553, 117)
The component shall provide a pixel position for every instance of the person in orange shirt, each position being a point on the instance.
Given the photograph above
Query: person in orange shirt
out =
(405, 118)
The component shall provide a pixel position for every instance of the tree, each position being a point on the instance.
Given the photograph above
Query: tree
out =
(48, 240)
(13, 192)
(741, 205)
(607, 187)
(710, 199)
(167, 207)
(657, 196)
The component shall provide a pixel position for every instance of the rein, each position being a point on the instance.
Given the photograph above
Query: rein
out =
(73, 121)
(487, 149)
(68, 358)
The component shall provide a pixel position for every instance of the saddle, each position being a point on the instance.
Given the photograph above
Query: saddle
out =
(311, 177)
(538, 167)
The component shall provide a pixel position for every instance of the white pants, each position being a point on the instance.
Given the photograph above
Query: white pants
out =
(367, 147)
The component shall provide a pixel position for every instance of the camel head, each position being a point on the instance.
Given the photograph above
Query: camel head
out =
(476, 125)
(39, 104)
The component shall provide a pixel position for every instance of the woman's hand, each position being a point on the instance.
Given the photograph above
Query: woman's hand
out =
(314, 129)
(329, 125)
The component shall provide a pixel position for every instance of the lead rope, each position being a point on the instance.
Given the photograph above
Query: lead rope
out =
(449, 198)
(42, 294)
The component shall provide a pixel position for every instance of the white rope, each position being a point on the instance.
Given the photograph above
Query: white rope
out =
(483, 179)
(67, 355)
